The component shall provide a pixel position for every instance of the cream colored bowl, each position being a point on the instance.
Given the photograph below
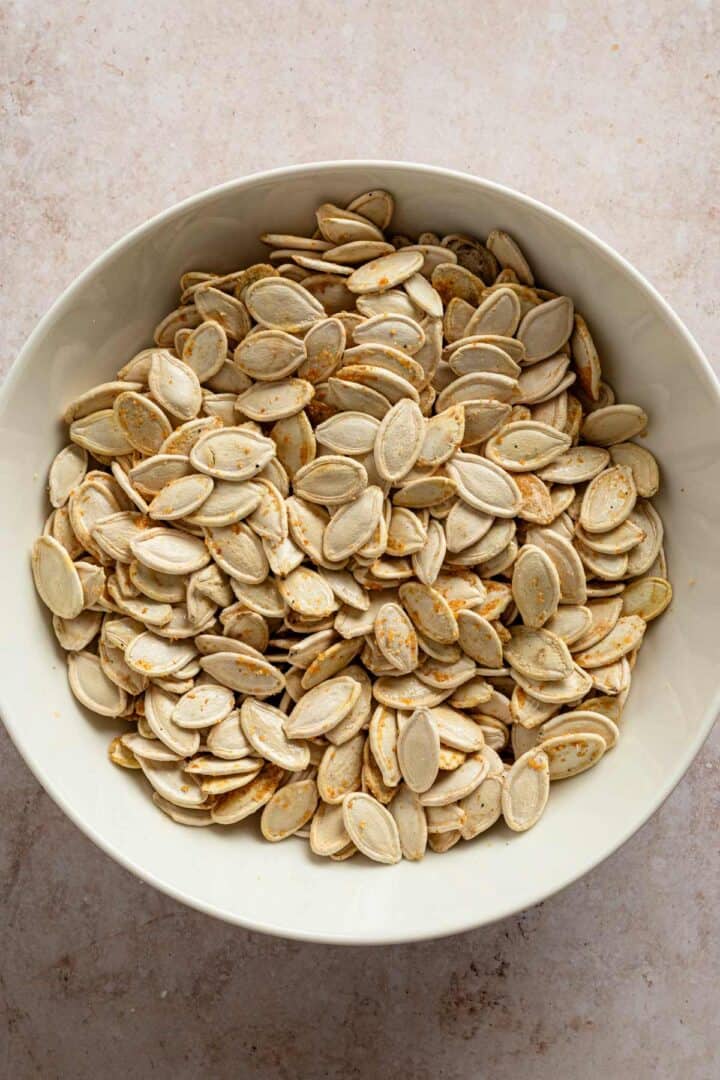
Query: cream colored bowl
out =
(650, 359)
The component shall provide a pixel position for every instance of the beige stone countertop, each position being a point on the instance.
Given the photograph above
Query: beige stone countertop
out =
(110, 112)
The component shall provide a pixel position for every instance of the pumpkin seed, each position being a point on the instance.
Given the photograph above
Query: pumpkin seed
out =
(608, 500)
(92, 687)
(485, 485)
(626, 635)
(418, 750)
(578, 722)
(570, 754)
(399, 440)
(545, 329)
(385, 273)
(231, 453)
(371, 827)
(647, 598)
(560, 692)
(535, 586)
(56, 578)
(66, 473)
(352, 525)
(322, 708)
(526, 446)
(525, 790)
(614, 424)
(101, 433)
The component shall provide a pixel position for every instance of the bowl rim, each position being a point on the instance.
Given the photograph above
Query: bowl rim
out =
(67, 296)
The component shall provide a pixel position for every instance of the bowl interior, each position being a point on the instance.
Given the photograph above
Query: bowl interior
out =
(108, 314)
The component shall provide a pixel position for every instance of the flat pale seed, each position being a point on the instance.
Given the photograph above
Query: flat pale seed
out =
(411, 822)
(399, 440)
(418, 750)
(205, 349)
(457, 784)
(268, 402)
(614, 424)
(545, 329)
(396, 637)
(92, 687)
(288, 810)
(269, 355)
(570, 754)
(430, 612)
(616, 541)
(499, 313)
(442, 436)
(559, 692)
(573, 589)
(625, 636)
(306, 592)
(535, 586)
(203, 706)
(99, 399)
(328, 834)
(482, 419)
(159, 706)
(263, 727)
(246, 674)
(570, 622)
(156, 657)
(384, 273)
(231, 453)
(644, 554)
(608, 500)
(538, 654)
(579, 721)
(399, 331)
(478, 355)
(180, 497)
(643, 465)
(172, 783)
(76, 634)
(330, 480)
(56, 578)
(525, 790)
(66, 473)
(174, 385)
(348, 433)
(482, 807)
(142, 422)
(340, 770)
(352, 525)
(479, 639)
(169, 551)
(351, 396)
(526, 446)
(380, 380)
(457, 730)
(406, 692)
(419, 494)
(322, 708)
(237, 805)
(485, 485)
(647, 597)
(371, 828)
(477, 386)
(101, 433)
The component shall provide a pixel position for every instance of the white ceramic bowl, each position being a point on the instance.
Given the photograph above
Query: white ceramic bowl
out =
(648, 357)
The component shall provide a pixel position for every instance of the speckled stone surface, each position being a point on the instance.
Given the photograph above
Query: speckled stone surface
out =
(113, 111)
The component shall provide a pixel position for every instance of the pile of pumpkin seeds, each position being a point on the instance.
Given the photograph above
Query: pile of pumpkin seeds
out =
(363, 542)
